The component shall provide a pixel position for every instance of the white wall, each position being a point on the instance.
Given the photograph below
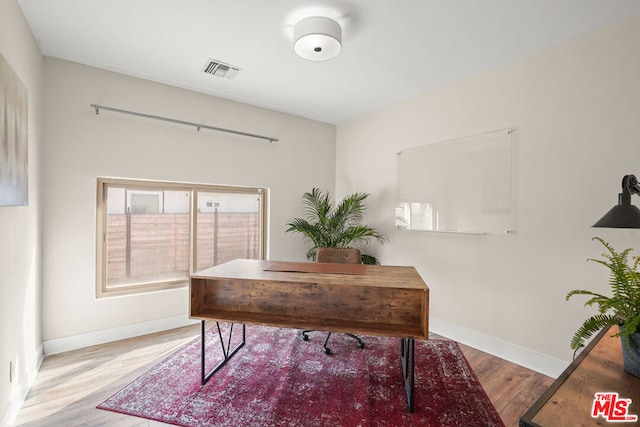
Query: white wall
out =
(20, 289)
(81, 146)
(576, 107)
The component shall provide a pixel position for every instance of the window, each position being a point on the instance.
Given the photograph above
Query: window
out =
(152, 235)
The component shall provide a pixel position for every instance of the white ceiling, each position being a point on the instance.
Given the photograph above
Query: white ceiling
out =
(392, 50)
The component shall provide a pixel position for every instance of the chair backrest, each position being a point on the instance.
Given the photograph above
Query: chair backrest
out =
(339, 255)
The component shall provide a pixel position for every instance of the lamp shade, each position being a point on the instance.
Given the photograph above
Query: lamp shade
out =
(317, 38)
(623, 215)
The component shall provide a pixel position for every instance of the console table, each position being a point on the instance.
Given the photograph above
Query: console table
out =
(569, 400)
(367, 299)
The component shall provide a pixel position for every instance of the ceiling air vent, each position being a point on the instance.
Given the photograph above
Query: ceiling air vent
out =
(221, 69)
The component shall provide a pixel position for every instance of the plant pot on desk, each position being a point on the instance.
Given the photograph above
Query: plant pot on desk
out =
(631, 356)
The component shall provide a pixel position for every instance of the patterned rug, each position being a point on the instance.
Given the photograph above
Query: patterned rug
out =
(277, 379)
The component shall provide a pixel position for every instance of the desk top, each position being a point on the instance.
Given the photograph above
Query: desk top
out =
(598, 368)
(307, 272)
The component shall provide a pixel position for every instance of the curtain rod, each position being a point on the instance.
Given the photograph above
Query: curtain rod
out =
(182, 122)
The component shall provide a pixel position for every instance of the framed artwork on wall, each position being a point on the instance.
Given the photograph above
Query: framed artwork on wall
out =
(14, 166)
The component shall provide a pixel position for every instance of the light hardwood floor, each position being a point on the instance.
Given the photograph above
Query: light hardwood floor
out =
(70, 385)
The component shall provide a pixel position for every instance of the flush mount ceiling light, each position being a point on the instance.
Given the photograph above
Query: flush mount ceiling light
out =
(317, 38)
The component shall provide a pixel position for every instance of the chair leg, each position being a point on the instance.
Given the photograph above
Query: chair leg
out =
(326, 349)
(305, 337)
(357, 338)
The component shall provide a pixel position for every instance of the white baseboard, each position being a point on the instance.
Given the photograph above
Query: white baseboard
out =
(538, 362)
(102, 336)
(19, 391)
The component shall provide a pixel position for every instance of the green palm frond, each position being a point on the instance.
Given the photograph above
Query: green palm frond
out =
(583, 292)
(622, 307)
(590, 326)
(317, 205)
(350, 210)
(328, 225)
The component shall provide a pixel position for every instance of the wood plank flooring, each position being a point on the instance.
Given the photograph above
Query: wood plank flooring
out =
(70, 385)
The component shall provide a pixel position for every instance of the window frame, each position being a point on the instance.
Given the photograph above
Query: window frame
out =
(102, 290)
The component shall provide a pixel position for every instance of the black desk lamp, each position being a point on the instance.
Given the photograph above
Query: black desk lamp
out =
(624, 214)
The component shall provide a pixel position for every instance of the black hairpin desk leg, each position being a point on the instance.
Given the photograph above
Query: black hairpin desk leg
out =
(226, 353)
(407, 353)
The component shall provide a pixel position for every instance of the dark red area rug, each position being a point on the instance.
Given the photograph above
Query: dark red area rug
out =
(277, 379)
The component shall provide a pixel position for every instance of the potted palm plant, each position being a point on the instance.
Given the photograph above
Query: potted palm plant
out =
(339, 226)
(622, 308)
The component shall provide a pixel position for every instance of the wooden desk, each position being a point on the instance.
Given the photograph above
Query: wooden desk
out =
(384, 300)
(374, 300)
(569, 400)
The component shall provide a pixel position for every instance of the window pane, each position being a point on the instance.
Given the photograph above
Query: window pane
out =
(150, 231)
(228, 227)
(147, 236)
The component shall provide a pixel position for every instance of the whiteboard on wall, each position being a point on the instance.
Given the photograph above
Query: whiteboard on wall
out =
(463, 185)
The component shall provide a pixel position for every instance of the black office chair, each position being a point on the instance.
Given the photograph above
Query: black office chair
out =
(338, 256)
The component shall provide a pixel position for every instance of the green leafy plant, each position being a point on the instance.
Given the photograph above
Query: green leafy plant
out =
(622, 307)
(339, 226)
